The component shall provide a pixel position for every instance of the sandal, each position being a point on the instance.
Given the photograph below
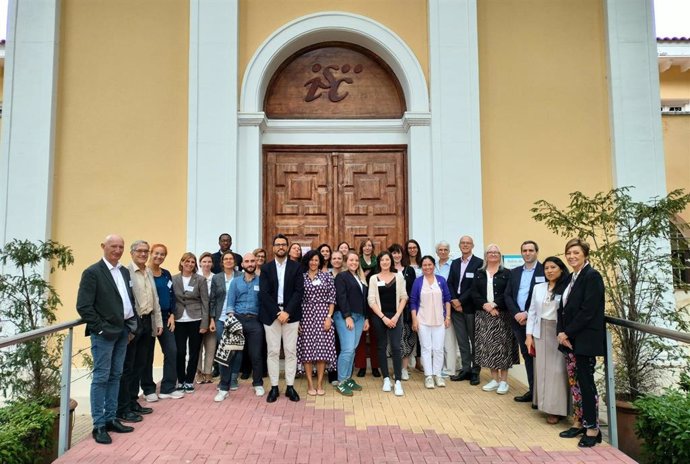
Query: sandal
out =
(320, 392)
(311, 392)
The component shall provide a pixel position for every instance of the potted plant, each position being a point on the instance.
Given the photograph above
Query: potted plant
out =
(31, 370)
(630, 250)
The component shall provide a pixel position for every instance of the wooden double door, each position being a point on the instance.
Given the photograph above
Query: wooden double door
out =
(331, 194)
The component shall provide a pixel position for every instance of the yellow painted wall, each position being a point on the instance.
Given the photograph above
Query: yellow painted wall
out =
(260, 18)
(677, 153)
(674, 85)
(121, 122)
(544, 112)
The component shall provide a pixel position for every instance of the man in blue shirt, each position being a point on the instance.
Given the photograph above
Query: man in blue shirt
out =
(243, 302)
(518, 297)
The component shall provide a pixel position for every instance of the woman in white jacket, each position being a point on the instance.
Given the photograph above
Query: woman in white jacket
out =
(550, 376)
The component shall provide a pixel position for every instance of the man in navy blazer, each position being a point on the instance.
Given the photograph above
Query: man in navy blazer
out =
(281, 286)
(224, 242)
(518, 297)
(460, 279)
(106, 303)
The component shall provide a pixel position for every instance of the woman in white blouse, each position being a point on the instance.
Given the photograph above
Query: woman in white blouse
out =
(208, 340)
(550, 377)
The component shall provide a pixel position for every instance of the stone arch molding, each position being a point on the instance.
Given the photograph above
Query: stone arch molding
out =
(334, 26)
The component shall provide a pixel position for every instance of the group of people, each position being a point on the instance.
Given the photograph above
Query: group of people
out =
(213, 320)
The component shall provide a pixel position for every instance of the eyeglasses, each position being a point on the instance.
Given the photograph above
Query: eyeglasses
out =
(280, 245)
(142, 252)
(493, 252)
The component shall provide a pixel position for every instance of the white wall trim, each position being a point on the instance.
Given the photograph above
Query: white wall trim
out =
(457, 167)
(254, 131)
(28, 133)
(212, 123)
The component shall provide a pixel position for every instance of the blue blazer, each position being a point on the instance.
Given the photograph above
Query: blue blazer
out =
(514, 287)
(465, 293)
(293, 289)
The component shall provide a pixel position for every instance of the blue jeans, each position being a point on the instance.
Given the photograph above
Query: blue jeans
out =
(108, 359)
(348, 342)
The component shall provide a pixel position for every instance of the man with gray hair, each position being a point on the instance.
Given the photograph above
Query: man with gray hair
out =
(150, 326)
(450, 343)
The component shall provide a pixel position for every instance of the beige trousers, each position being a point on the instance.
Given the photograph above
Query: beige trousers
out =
(288, 334)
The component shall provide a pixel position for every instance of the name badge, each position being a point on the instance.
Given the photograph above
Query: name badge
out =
(469, 275)
(188, 288)
(381, 283)
(256, 288)
(316, 282)
(540, 279)
(130, 284)
(557, 298)
(169, 283)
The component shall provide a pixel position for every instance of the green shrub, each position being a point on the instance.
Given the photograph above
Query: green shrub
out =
(25, 433)
(664, 425)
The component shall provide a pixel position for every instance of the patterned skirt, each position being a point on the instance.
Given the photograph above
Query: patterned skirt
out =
(313, 344)
(496, 347)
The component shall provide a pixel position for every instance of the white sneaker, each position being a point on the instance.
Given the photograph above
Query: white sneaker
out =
(440, 382)
(491, 386)
(335, 383)
(398, 388)
(259, 391)
(444, 374)
(405, 375)
(387, 384)
(174, 395)
(429, 382)
(151, 398)
(220, 396)
(502, 388)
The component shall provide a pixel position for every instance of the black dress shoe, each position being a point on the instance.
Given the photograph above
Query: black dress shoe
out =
(572, 432)
(139, 409)
(474, 380)
(534, 406)
(129, 417)
(291, 393)
(461, 376)
(273, 395)
(587, 442)
(361, 372)
(118, 427)
(375, 372)
(526, 398)
(101, 436)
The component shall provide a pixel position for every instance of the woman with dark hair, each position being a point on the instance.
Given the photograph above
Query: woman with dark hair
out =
(496, 347)
(581, 334)
(413, 256)
(344, 248)
(295, 252)
(191, 318)
(316, 339)
(409, 336)
(367, 262)
(387, 299)
(430, 305)
(550, 377)
(325, 251)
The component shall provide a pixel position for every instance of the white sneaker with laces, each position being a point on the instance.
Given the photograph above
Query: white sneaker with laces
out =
(151, 398)
(429, 382)
(174, 395)
(440, 382)
(259, 390)
(491, 386)
(220, 396)
(398, 388)
(405, 375)
(387, 384)
(502, 388)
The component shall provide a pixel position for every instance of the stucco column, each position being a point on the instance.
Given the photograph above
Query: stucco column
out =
(420, 195)
(212, 161)
(455, 137)
(250, 180)
(636, 131)
(28, 120)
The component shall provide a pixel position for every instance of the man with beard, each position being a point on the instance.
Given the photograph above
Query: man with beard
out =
(243, 302)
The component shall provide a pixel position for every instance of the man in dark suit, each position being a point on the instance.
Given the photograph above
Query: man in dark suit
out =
(224, 242)
(280, 291)
(460, 279)
(106, 303)
(518, 298)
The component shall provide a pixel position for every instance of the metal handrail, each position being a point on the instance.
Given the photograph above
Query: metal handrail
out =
(63, 435)
(610, 369)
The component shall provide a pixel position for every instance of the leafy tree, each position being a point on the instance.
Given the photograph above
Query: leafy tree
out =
(630, 250)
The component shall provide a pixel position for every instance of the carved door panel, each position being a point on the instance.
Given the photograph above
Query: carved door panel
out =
(317, 195)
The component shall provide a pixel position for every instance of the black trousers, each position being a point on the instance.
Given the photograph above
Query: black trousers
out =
(584, 371)
(187, 332)
(169, 348)
(138, 350)
(520, 332)
(384, 335)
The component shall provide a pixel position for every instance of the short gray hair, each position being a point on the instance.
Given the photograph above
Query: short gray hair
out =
(442, 243)
(136, 243)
